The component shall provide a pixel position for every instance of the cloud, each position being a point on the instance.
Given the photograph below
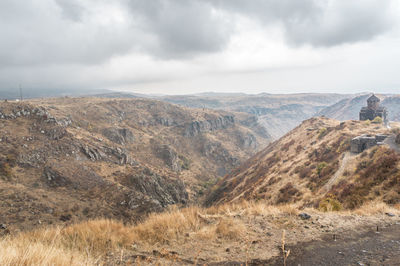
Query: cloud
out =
(100, 43)
(36, 33)
(181, 28)
(321, 23)
(71, 9)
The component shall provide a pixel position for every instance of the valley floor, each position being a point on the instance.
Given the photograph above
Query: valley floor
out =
(230, 234)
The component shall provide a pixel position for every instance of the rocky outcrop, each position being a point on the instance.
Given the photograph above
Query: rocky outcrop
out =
(119, 135)
(92, 153)
(151, 192)
(111, 154)
(248, 141)
(169, 156)
(55, 179)
(25, 110)
(197, 127)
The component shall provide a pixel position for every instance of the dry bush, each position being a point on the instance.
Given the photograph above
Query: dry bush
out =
(168, 226)
(287, 145)
(375, 207)
(329, 203)
(287, 193)
(5, 171)
(378, 170)
(230, 228)
(94, 237)
(23, 251)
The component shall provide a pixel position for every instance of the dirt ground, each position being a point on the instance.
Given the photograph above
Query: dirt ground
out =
(371, 248)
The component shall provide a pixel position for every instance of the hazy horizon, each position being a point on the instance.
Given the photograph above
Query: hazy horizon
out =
(175, 47)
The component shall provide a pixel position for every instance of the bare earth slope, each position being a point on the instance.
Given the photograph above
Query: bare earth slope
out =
(309, 166)
(69, 159)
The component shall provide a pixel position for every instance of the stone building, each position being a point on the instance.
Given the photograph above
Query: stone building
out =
(363, 142)
(372, 110)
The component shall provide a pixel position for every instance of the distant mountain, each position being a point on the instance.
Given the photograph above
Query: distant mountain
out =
(278, 113)
(348, 109)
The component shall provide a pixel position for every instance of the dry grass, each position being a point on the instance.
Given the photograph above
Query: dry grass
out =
(22, 251)
(89, 242)
(375, 207)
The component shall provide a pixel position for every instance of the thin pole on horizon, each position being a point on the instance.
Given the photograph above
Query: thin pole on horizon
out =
(20, 92)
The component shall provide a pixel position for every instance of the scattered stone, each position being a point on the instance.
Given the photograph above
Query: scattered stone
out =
(304, 216)
(227, 249)
(389, 214)
(65, 217)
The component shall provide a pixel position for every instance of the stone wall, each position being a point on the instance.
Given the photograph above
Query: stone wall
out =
(364, 142)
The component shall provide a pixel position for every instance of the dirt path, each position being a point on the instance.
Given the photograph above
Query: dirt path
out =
(371, 248)
(338, 173)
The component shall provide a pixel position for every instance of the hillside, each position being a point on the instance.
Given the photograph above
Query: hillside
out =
(278, 113)
(68, 159)
(348, 109)
(312, 166)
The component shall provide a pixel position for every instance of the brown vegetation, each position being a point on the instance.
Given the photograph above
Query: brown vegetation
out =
(181, 236)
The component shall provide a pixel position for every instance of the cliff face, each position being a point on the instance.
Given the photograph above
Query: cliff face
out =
(122, 158)
(197, 127)
(277, 114)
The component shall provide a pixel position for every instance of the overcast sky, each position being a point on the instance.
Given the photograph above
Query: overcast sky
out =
(189, 46)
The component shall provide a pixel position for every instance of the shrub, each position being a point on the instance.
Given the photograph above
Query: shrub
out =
(304, 172)
(377, 120)
(330, 203)
(287, 192)
(299, 148)
(320, 167)
(5, 171)
(322, 132)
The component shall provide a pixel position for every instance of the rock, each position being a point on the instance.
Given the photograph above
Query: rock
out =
(398, 138)
(151, 192)
(65, 217)
(304, 216)
(54, 179)
(389, 214)
(119, 135)
(3, 226)
(169, 156)
(248, 141)
(197, 127)
(92, 153)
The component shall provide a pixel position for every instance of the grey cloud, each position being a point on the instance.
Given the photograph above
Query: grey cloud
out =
(36, 33)
(318, 22)
(181, 28)
(71, 9)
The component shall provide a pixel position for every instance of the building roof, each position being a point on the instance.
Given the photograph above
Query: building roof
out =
(373, 98)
